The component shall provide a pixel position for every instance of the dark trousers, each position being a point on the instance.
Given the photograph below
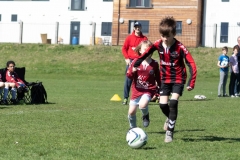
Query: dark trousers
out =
(127, 84)
(234, 78)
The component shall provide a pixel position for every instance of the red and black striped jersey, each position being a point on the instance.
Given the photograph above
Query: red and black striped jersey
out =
(172, 66)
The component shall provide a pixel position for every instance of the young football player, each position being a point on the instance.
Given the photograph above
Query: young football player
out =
(144, 86)
(173, 73)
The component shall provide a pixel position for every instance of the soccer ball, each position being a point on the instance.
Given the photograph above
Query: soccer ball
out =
(136, 138)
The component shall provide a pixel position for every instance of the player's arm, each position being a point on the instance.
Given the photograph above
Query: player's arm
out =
(131, 71)
(157, 75)
(192, 69)
(149, 51)
(125, 48)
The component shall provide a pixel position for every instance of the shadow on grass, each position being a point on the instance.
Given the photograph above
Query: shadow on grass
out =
(196, 100)
(188, 130)
(211, 139)
(148, 148)
(5, 107)
(48, 103)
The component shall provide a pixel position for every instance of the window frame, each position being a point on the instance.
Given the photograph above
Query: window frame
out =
(0, 17)
(108, 30)
(81, 7)
(147, 4)
(223, 29)
(144, 23)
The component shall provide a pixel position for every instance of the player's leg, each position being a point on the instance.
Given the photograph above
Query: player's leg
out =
(220, 85)
(143, 106)
(127, 87)
(13, 92)
(225, 83)
(177, 90)
(132, 112)
(165, 92)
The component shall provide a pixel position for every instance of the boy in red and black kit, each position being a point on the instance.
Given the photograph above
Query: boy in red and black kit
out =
(173, 73)
(130, 43)
(14, 81)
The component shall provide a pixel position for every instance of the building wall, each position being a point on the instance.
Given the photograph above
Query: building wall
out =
(215, 12)
(180, 10)
(41, 17)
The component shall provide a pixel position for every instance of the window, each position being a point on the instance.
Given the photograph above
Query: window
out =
(179, 28)
(224, 32)
(78, 5)
(106, 29)
(14, 18)
(145, 26)
(139, 3)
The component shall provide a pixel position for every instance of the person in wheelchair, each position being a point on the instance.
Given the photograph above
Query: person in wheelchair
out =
(13, 81)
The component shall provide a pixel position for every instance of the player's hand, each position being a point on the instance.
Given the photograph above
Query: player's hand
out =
(127, 61)
(134, 69)
(189, 88)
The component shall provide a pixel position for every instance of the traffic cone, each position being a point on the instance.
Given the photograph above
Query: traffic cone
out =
(115, 98)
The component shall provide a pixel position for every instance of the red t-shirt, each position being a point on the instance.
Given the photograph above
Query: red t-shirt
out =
(144, 79)
(130, 43)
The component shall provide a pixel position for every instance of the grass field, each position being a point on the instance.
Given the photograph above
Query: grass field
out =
(81, 123)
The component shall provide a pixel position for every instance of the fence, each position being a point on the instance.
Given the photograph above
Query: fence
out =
(191, 36)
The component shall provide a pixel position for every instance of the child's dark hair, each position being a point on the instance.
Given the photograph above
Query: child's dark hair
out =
(167, 26)
(236, 47)
(138, 48)
(225, 48)
(10, 62)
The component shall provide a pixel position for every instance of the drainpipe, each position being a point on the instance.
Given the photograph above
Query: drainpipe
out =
(119, 1)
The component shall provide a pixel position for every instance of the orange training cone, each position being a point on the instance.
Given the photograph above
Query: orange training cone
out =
(115, 98)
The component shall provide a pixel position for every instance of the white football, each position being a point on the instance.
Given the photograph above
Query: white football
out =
(136, 138)
(200, 97)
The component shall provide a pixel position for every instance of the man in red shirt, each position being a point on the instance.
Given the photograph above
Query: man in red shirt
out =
(172, 54)
(129, 45)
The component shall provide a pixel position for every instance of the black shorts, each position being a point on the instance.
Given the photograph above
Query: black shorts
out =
(168, 88)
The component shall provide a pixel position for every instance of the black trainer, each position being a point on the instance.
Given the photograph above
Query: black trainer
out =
(4, 102)
(14, 101)
(146, 120)
(125, 101)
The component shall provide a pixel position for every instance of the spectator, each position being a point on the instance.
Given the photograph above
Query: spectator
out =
(237, 85)
(144, 85)
(14, 82)
(234, 78)
(129, 45)
(172, 54)
(223, 64)
(2, 85)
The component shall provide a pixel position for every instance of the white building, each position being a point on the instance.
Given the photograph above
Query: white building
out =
(221, 23)
(75, 19)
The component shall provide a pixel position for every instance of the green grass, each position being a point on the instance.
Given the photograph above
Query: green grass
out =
(81, 122)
